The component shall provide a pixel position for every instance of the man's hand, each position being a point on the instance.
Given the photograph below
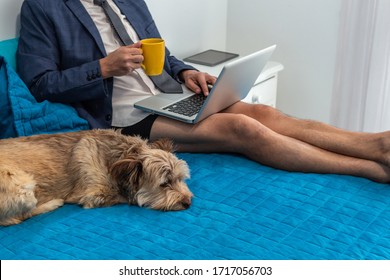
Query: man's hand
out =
(197, 81)
(122, 61)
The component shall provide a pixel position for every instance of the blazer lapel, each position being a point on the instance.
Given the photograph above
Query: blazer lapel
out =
(79, 11)
(133, 18)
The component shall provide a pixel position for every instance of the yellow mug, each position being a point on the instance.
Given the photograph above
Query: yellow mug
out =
(153, 50)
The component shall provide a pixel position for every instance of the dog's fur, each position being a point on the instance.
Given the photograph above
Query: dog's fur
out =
(93, 168)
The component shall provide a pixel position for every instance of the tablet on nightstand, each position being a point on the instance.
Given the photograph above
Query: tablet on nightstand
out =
(210, 57)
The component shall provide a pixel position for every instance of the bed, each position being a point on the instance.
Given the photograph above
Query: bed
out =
(241, 210)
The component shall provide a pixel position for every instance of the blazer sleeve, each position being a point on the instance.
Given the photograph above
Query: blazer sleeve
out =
(177, 65)
(39, 62)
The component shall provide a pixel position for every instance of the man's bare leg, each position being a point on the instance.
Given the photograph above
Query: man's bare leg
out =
(372, 146)
(237, 133)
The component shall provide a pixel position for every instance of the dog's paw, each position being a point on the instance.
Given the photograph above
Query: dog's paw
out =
(55, 203)
(10, 222)
(48, 206)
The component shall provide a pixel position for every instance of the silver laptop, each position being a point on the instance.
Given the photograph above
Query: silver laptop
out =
(232, 85)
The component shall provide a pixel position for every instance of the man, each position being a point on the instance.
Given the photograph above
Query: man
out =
(68, 52)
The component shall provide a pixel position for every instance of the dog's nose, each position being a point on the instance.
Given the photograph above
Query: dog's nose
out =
(186, 203)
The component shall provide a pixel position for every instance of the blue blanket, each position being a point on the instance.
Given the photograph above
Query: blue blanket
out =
(22, 115)
(241, 210)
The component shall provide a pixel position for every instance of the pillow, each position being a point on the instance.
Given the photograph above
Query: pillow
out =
(22, 115)
(8, 51)
(6, 118)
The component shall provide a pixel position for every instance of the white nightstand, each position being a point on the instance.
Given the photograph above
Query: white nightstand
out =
(264, 90)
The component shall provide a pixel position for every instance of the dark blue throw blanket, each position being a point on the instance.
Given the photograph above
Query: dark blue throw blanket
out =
(22, 115)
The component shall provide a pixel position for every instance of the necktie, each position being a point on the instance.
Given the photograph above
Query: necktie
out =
(163, 82)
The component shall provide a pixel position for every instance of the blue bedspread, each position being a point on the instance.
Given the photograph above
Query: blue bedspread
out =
(241, 210)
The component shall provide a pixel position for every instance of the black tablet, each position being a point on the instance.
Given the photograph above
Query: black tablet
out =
(210, 57)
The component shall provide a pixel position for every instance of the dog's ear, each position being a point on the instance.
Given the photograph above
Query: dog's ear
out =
(126, 171)
(163, 144)
(134, 149)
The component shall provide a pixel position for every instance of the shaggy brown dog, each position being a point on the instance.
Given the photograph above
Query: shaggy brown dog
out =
(93, 168)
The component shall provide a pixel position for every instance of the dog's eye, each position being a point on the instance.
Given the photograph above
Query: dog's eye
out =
(165, 185)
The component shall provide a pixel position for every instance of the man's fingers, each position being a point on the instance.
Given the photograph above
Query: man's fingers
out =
(135, 45)
(193, 86)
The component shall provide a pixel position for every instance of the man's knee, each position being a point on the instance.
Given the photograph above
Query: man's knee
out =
(247, 128)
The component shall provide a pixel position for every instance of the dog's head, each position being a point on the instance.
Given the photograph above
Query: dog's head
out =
(152, 176)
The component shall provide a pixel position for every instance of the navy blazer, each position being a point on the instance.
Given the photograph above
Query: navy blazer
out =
(59, 52)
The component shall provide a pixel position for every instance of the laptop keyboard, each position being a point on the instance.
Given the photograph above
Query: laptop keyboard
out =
(189, 106)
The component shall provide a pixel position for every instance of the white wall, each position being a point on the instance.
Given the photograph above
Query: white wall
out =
(191, 26)
(306, 32)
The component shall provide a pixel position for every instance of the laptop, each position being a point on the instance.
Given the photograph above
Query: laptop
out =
(233, 84)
